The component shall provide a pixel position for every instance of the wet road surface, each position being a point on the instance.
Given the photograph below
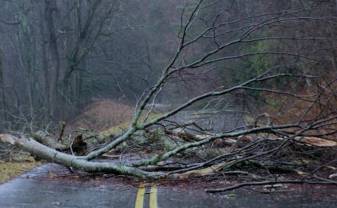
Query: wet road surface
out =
(32, 191)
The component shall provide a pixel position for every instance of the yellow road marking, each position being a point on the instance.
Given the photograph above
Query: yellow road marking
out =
(140, 197)
(153, 197)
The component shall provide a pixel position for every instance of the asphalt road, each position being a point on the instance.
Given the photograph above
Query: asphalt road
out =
(33, 191)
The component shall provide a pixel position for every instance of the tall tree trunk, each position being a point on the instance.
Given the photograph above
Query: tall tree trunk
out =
(54, 66)
(27, 47)
(3, 109)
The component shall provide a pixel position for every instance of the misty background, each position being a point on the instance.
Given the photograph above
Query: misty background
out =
(58, 57)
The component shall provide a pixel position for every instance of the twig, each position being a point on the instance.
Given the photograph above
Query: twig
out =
(262, 183)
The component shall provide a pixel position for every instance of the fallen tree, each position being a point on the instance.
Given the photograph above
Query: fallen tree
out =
(267, 139)
(72, 161)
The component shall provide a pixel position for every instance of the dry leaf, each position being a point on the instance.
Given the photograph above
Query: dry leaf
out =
(316, 141)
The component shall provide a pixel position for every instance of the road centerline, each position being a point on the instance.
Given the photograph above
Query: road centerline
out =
(153, 197)
(141, 193)
(140, 197)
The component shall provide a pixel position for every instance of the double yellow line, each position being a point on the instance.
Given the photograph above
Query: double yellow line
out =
(140, 197)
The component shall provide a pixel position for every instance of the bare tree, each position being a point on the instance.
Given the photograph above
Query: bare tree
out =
(205, 45)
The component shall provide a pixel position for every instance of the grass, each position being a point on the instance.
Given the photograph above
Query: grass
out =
(9, 170)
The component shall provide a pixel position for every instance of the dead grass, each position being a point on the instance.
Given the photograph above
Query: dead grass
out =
(102, 115)
(106, 116)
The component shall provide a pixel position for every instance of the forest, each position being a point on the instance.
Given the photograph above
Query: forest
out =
(172, 89)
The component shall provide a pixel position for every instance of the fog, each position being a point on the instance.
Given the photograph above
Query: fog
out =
(57, 57)
(227, 93)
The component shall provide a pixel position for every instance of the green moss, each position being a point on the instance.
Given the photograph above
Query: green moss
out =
(152, 116)
(115, 130)
(259, 63)
(275, 104)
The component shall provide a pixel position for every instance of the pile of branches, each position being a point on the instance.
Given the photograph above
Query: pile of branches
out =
(263, 148)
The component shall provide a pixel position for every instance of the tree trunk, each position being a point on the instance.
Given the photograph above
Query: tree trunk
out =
(68, 160)
(3, 109)
(54, 65)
